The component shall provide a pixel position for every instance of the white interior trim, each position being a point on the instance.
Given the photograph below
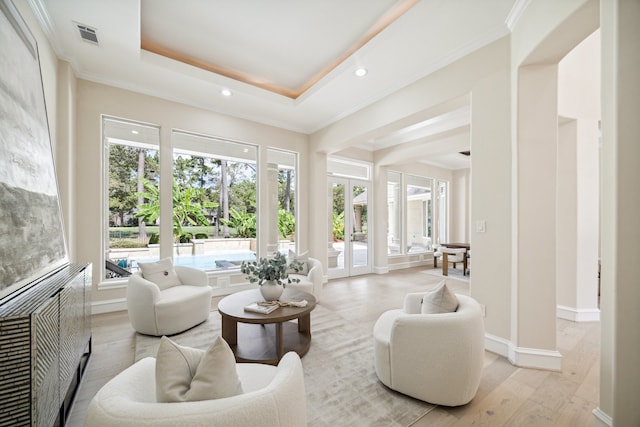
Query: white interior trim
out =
(535, 358)
(497, 345)
(380, 270)
(108, 306)
(578, 314)
(602, 419)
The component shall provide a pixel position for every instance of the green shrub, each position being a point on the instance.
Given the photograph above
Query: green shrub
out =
(185, 237)
(126, 244)
(202, 236)
(244, 224)
(154, 239)
(338, 226)
(286, 223)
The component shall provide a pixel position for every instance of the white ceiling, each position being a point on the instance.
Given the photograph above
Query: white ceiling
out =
(288, 63)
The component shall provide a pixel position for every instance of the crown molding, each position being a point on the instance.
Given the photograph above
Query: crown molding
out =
(48, 28)
(516, 13)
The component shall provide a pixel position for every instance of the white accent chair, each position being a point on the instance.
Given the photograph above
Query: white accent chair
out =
(437, 253)
(155, 311)
(310, 282)
(272, 397)
(453, 256)
(437, 358)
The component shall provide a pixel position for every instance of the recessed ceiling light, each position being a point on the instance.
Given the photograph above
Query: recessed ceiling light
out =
(135, 132)
(360, 72)
(225, 92)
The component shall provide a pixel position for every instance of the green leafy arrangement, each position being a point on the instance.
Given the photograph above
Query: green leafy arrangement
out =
(274, 268)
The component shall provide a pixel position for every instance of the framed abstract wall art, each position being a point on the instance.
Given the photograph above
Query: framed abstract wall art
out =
(32, 241)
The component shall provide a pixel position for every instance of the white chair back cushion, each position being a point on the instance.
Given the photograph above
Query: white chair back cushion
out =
(128, 400)
(454, 254)
(160, 272)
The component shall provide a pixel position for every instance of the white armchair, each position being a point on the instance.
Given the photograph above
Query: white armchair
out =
(453, 256)
(437, 358)
(272, 397)
(310, 282)
(157, 311)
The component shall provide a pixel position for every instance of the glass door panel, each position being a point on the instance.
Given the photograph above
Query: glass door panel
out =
(360, 237)
(348, 252)
(336, 221)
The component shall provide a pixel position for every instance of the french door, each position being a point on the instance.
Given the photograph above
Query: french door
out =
(349, 222)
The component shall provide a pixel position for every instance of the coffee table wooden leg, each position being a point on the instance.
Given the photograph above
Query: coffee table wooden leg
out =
(279, 341)
(304, 324)
(229, 330)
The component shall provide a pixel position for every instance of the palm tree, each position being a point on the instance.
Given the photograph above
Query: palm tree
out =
(187, 209)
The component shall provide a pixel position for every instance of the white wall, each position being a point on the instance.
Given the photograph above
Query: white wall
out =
(620, 302)
(578, 176)
(543, 35)
(460, 196)
(579, 78)
(491, 195)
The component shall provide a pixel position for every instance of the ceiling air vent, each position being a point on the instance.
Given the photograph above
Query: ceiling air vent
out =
(88, 34)
(465, 153)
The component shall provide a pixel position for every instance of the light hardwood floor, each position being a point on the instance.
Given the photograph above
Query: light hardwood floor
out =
(508, 396)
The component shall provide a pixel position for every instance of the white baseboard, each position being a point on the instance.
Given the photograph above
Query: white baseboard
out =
(602, 419)
(550, 360)
(497, 345)
(408, 264)
(578, 314)
(523, 357)
(108, 306)
(380, 270)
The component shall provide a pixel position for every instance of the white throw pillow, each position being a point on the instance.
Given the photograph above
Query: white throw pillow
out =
(302, 258)
(185, 374)
(160, 272)
(439, 300)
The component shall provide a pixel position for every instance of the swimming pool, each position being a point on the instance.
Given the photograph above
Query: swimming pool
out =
(205, 261)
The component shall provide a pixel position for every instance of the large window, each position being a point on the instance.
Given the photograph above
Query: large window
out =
(410, 210)
(443, 212)
(131, 156)
(214, 198)
(394, 209)
(214, 201)
(285, 163)
(419, 213)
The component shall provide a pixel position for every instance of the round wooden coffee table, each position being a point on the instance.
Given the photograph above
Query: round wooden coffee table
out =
(265, 338)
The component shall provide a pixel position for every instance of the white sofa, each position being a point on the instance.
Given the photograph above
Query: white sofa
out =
(273, 397)
(437, 358)
(310, 282)
(153, 311)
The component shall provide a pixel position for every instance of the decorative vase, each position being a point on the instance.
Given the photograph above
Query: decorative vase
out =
(271, 290)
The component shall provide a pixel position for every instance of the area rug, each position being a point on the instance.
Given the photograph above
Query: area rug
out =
(340, 381)
(453, 273)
